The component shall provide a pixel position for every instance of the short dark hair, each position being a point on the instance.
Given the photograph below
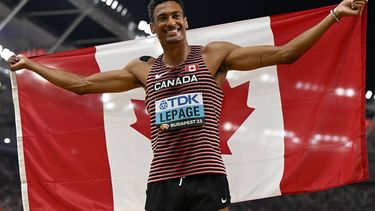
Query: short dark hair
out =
(153, 3)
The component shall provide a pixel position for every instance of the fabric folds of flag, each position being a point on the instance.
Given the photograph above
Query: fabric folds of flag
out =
(284, 129)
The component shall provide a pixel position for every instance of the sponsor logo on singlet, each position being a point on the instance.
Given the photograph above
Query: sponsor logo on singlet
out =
(180, 111)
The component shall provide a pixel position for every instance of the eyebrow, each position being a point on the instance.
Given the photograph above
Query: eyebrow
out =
(173, 13)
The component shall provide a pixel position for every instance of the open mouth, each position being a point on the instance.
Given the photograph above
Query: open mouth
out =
(172, 32)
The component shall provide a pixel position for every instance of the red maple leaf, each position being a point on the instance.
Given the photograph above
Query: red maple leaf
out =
(234, 112)
(143, 122)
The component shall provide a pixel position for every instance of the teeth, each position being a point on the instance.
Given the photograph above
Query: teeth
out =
(174, 30)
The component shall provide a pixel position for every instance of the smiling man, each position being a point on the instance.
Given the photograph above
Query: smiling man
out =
(184, 99)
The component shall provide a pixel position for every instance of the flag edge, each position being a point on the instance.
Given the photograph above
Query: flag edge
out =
(20, 149)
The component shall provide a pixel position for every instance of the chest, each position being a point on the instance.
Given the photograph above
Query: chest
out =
(165, 83)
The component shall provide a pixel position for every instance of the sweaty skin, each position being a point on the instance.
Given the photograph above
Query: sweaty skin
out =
(170, 24)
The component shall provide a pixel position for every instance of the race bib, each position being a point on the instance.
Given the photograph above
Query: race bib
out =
(180, 111)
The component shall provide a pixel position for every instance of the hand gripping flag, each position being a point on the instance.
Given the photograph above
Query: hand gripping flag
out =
(284, 129)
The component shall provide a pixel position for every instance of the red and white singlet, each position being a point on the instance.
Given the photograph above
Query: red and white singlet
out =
(186, 102)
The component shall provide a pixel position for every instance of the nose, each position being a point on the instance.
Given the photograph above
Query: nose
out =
(171, 21)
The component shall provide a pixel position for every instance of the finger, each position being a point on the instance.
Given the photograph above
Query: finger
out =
(357, 5)
(359, 2)
(14, 62)
(363, 2)
(14, 66)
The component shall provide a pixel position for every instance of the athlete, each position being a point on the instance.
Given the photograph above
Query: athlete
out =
(183, 98)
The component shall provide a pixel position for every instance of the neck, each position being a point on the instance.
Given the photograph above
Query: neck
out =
(175, 54)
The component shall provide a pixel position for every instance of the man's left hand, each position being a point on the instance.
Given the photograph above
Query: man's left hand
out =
(350, 8)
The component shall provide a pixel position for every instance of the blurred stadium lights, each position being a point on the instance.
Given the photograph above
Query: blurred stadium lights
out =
(369, 94)
(5, 53)
(7, 141)
(109, 2)
(144, 26)
(119, 8)
(114, 5)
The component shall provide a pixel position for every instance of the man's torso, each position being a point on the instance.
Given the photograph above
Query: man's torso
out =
(184, 104)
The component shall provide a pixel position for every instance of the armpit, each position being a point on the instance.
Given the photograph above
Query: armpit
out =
(145, 58)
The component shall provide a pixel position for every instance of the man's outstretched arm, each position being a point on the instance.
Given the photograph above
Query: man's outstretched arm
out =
(248, 58)
(112, 81)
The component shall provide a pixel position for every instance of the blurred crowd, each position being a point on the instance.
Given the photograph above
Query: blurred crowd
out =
(10, 188)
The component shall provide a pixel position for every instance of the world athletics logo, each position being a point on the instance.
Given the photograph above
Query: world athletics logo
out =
(163, 105)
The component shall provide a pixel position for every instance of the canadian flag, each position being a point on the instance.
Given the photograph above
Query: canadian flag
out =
(284, 129)
(191, 67)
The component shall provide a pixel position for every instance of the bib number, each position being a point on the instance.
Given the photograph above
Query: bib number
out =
(180, 111)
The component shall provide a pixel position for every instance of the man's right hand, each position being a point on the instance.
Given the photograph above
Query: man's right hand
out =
(18, 62)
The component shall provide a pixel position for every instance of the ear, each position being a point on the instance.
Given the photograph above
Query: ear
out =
(186, 23)
(152, 27)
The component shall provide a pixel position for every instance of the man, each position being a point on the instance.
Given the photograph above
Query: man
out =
(183, 98)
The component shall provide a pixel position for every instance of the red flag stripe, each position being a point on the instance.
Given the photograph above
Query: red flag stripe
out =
(74, 130)
(332, 71)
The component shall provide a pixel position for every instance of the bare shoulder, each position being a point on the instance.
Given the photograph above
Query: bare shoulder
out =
(219, 46)
(140, 67)
(214, 54)
(140, 63)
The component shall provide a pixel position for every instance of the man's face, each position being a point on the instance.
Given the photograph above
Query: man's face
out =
(169, 22)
